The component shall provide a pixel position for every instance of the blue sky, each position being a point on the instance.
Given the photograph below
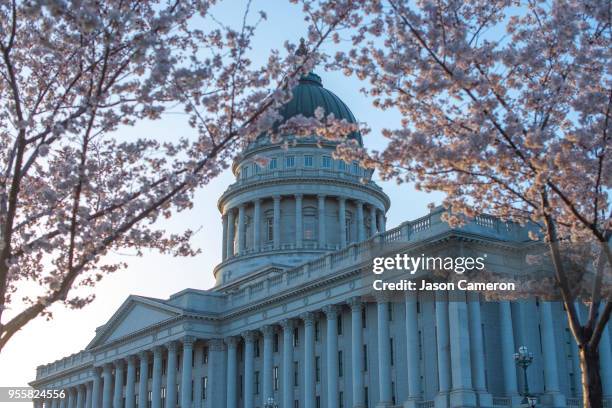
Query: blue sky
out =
(159, 275)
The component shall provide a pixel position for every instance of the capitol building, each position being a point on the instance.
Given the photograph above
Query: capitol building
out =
(292, 319)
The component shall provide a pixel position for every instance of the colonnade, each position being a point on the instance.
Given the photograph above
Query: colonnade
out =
(234, 239)
(460, 363)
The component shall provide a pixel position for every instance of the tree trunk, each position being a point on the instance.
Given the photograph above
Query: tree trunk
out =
(592, 395)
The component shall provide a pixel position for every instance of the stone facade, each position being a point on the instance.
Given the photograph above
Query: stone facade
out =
(292, 317)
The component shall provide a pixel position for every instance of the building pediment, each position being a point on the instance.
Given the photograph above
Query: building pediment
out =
(135, 314)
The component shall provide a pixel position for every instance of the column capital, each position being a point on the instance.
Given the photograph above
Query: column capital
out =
(119, 363)
(216, 344)
(188, 341)
(299, 195)
(308, 318)
(172, 345)
(94, 371)
(249, 336)
(382, 297)
(355, 303)
(287, 324)
(268, 330)
(276, 197)
(331, 311)
(232, 341)
(257, 201)
(107, 368)
(241, 206)
(342, 198)
(143, 354)
(131, 359)
(321, 196)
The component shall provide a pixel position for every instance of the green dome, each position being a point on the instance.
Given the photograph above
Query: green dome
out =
(309, 94)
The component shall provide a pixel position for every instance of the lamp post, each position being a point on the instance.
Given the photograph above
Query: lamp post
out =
(270, 403)
(523, 359)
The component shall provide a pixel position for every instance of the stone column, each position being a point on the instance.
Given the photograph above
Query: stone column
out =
(277, 222)
(331, 313)
(381, 221)
(230, 233)
(63, 402)
(95, 388)
(241, 226)
(171, 367)
(216, 373)
(80, 400)
(299, 234)
(552, 396)
(131, 382)
(268, 337)
(360, 222)
(506, 333)
(118, 395)
(257, 225)
(342, 220)
(107, 374)
(144, 377)
(384, 353)
(412, 352)
(373, 229)
(357, 352)
(605, 358)
(224, 240)
(71, 398)
(232, 371)
(477, 351)
(309, 360)
(287, 385)
(157, 378)
(249, 381)
(88, 399)
(462, 393)
(321, 211)
(186, 372)
(197, 383)
(443, 350)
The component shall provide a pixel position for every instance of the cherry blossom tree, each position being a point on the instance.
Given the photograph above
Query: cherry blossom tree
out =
(72, 72)
(506, 108)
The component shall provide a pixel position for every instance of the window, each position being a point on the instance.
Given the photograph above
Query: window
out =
(289, 161)
(318, 401)
(366, 397)
(273, 164)
(340, 364)
(355, 168)
(178, 361)
(240, 386)
(296, 337)
(365, 357)
(391, 350)
(244, 172)
(270, 229)
(163, 397)
(347, 227)
(341, 400)
(275, 343)
(256, 344)
(137, 374)
(393, 392)
(296, 373)
(307, 161)
(205, 356)
(317, 331)
(363, 318)
(390, 311)
(256, 382)
(339, 324)
(309, 222)
(164, 366)
(341, 165)
(275, 378)
(326, 162)
(150, 371)
(296, 404)
(204, 387)
(318, 368)
(149, 399)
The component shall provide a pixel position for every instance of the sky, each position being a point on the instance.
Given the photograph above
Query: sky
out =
(156, 275)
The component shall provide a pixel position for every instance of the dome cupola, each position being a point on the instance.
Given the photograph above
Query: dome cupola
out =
(292, 204)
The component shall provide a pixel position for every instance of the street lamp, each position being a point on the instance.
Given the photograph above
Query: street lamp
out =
(270, 403)
(523, 359)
